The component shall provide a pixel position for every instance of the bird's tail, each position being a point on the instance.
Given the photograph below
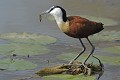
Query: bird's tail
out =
(100, 27)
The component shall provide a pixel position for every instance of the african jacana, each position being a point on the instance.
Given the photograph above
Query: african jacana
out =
(75, 26)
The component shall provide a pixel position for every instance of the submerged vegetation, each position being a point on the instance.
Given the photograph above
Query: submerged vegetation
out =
(27, 44)
(16, 64)
(76, 69)
(68, 77)
(22, 44)
(105, 59)
(106, 36)
(114, 49)
(28, 38)
(23, 49)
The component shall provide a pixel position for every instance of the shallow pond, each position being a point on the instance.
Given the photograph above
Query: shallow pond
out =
(21, 16)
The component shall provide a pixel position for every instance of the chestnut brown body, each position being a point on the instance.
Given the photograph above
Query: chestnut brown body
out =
(81, 28)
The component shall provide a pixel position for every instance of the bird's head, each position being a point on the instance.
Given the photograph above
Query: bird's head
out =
(57, 12)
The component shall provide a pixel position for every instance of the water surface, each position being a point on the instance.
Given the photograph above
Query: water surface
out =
(22, 16)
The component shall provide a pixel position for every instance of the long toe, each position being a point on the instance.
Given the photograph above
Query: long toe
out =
(86, 69)
(71, 62)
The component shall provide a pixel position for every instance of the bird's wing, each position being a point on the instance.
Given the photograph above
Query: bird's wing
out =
(83, 27)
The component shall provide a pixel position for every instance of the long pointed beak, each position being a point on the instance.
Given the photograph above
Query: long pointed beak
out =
(43, 13)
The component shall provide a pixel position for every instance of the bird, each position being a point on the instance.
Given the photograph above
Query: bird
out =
(76, 27)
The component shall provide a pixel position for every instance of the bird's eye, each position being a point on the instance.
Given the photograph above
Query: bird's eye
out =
(50, 10)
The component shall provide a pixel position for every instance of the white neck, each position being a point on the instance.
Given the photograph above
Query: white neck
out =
(57, 13)
(58, 19)
(63, 26)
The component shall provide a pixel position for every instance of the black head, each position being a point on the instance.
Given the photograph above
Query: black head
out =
(57, 10)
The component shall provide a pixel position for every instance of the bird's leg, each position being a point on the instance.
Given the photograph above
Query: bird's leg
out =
(84, 48)
(93, 48)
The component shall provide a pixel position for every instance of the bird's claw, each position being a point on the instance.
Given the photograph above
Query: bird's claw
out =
(86, 69)
(71, 62)
(82, 66)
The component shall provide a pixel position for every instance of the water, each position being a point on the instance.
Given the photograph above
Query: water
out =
(22, 16)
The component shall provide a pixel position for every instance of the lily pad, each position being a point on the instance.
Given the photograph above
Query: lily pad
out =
(105, 59)
(105, 21)
(16, 64)
(22, 49)
(114, 49)
(68, 77)
(106, 36)
(28, 38)
(70, 56)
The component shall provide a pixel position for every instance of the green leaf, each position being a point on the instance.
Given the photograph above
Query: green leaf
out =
(70, 56)
(105, 59)
(22, 49)
(106, 36)
(114, 49)
(28, 38)
(16, 64)
(68, 77)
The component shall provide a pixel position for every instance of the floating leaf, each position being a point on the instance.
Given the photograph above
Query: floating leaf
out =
(106, 36)
(114, 49)
(72, 69)
(16, 64)
(105, 59)
(110, 60)
(28, 38)
(68, 77)
(70, 56)
(22, 49)
(105, 21)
